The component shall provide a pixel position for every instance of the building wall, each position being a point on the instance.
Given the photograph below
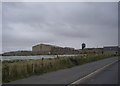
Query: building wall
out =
(60, 50)
(57, 50)
(50, 49)
(42, 48)
(92, 50)
(111, 49)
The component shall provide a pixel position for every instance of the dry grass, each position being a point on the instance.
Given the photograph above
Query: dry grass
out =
(21, 69)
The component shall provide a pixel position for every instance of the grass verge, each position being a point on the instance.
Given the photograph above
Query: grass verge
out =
(13, 70)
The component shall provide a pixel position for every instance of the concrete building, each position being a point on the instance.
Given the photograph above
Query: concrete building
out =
(43, 48)
(110, 48)
(92, 50)
(52, 49)
(113, 49)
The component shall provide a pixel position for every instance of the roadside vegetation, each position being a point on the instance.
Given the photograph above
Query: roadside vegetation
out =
(0, 73)
(13, 70)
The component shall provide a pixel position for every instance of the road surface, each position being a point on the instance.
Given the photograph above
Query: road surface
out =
(108, 75)
(67, 76)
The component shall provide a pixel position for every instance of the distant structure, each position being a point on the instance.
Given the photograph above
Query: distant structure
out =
(18, 53)
(52, 49)
(46, 49)
(83, 45)
(110, 48)
(93, 50)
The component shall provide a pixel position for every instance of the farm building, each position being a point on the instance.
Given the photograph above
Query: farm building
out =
(92, 50)
(113, 49)
(110, 48)
(52, 49)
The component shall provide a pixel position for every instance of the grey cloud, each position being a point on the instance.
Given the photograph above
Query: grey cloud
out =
(28, 23)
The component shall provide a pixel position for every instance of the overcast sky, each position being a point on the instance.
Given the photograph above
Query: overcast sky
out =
(0, 27)
(64, 24)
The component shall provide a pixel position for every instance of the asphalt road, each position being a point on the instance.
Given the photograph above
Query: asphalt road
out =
(107, 76)
(66, 76)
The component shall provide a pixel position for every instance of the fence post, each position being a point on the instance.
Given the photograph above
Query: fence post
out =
(33, 69)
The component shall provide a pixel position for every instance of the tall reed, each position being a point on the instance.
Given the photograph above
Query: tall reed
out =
(14, 70)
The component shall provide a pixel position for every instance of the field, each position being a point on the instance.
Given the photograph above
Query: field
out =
(13, 70)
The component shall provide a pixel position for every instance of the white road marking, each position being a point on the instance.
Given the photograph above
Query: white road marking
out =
(91, 74)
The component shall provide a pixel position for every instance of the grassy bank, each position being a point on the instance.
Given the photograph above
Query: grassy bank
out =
(14, 70)
(0, 73)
